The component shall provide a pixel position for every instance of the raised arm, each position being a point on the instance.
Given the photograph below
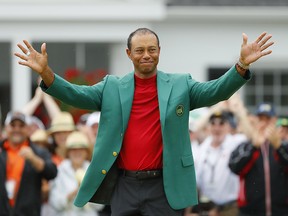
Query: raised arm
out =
(51, 106)
(38, 62)
(214, 91)
(32, 105)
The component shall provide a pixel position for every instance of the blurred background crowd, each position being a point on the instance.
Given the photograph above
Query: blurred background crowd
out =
(239, 145)
(240, 158)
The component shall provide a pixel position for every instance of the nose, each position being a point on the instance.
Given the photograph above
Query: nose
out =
(146, 55)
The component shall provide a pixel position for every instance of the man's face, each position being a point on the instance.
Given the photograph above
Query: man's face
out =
(60, 138)
(144, 54)
(17, 132)
(264, 119)
(77, 156)
(219, 128)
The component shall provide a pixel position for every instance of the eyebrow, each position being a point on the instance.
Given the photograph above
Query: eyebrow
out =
(140, 47)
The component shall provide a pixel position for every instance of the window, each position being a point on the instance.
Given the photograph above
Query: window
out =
(268, 85)
(85, 57)
(79, 63)
(5, 86)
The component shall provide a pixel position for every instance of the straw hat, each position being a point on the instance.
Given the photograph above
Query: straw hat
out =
(62, 122)
(39, 135)
(77, 140)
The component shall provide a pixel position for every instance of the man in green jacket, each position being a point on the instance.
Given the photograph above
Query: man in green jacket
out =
(142, 161)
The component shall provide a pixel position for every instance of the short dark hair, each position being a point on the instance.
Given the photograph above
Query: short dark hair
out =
(141, 31)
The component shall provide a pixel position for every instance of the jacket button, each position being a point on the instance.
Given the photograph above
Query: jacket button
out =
(115, 154)
(104, 172)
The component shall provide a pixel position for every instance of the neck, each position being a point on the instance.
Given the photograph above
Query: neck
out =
(216, 142)
(145, 75)
(76, 166)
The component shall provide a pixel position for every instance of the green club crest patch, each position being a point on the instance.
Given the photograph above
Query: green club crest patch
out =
(180, 110)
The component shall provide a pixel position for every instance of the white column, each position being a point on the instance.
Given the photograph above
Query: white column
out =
(20, 80)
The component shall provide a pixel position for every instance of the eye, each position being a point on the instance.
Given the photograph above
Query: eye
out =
(138, 51)
(152, 50)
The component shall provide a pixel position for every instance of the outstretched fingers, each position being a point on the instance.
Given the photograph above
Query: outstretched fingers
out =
(22, 48)
(266, 53)
(261, 36)
(264, 43)
(264, 40)
(28, 45)
(21, 56)
(265, 46)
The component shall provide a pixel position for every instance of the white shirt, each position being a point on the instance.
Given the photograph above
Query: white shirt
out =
(61, 186)
(214, 178)
(195, 152)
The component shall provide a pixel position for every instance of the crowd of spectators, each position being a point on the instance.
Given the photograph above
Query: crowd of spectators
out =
(240, 158)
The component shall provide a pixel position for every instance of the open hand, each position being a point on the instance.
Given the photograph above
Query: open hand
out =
(33, 59)
(251, 52)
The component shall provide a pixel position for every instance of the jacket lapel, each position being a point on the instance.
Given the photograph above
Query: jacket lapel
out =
(164, 89)
(126, 91)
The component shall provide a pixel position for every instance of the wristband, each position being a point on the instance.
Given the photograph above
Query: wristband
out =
(244, 66)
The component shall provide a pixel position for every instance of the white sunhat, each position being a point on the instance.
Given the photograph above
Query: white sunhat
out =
(93, 118)
(62, 122)
(39, 135)
(77, 140)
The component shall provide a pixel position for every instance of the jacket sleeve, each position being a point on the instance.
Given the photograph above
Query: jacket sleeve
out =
(50, 170)
(243, 158)
(211, 92)
(80, 96)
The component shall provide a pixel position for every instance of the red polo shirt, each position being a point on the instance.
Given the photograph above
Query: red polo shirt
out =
(142, 144)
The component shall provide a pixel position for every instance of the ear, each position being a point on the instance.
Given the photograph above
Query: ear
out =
(128, 52)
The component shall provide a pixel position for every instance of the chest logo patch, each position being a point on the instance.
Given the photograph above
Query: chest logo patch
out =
(180, 110)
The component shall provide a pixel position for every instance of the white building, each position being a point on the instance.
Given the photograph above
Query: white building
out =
(92, 34)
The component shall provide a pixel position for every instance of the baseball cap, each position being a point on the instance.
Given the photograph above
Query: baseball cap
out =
(219, 114)
(93, 118)
(15, 115)
(265, 109)
(77, 140)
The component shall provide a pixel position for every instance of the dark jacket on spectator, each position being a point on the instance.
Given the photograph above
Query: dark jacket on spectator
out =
(247, 162)
(28, 200)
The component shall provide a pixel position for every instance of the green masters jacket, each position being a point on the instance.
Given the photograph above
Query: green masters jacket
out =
(177, 95)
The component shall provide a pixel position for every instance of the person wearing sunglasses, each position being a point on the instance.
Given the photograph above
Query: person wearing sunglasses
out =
(215, 180)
